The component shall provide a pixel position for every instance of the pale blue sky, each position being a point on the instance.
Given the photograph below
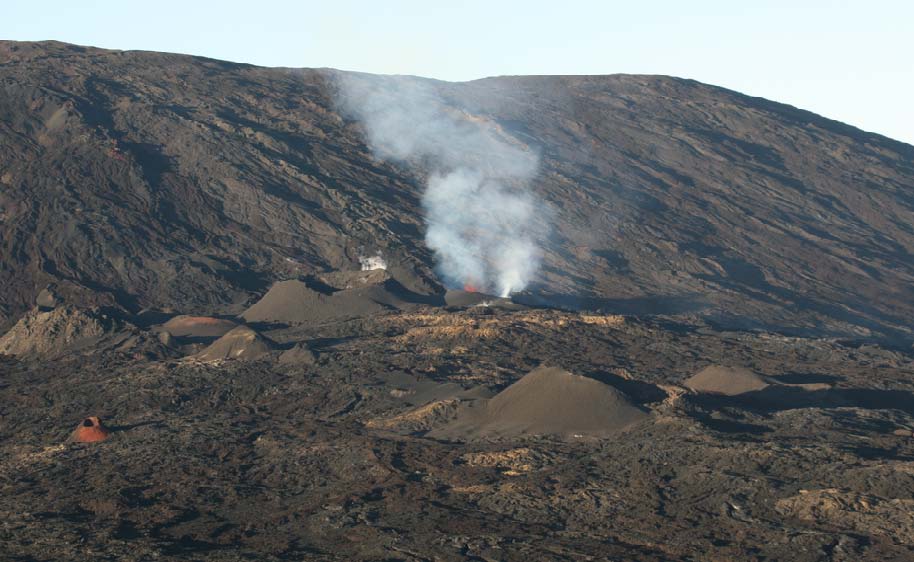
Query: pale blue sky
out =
(850, 61)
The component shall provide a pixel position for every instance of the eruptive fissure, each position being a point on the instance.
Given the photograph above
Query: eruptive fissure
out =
(483, 222)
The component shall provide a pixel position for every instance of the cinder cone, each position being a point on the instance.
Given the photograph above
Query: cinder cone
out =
(90, 431)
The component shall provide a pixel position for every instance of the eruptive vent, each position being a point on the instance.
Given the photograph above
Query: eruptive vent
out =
(91, 430)
(483, 222)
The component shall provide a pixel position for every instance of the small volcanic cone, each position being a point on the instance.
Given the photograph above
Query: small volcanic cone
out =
(90, 430)
(548, 401)
(332, 297)
(726, 381)
(198, 326)
(462, 298)
(240, 343)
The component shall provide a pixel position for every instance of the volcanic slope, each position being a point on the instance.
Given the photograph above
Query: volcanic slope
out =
(154, 180)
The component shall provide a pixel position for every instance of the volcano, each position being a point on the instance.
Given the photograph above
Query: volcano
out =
(123, 171)
(213, 258)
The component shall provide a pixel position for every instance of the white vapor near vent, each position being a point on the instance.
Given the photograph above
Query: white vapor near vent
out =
(482, 220)
(370, 263)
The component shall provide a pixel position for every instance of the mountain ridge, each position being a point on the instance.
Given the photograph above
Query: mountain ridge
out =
(150, 180)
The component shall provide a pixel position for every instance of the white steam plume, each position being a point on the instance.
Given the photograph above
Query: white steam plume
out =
(482, 221)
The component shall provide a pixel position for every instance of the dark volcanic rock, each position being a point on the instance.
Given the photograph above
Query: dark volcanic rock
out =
(47, 299)
(291, 459)
(299, 354)
(154, 180)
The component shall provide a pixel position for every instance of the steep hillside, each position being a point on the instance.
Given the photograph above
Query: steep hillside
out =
(161, 181)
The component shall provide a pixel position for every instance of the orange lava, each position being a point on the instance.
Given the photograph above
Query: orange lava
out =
(470, 288)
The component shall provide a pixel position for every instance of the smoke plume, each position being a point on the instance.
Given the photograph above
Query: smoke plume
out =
(482, 220)
(370, 263)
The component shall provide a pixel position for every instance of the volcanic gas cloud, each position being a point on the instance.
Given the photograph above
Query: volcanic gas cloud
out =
(483, 222)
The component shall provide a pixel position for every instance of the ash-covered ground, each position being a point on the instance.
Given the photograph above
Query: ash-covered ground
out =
(351, 439)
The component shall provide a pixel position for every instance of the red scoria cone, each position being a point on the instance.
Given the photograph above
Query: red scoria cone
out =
(90, 430)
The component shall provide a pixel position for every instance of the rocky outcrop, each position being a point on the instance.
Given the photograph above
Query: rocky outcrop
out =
(58, 331)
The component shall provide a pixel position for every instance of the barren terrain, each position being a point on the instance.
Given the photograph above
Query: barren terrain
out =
(715, 362)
